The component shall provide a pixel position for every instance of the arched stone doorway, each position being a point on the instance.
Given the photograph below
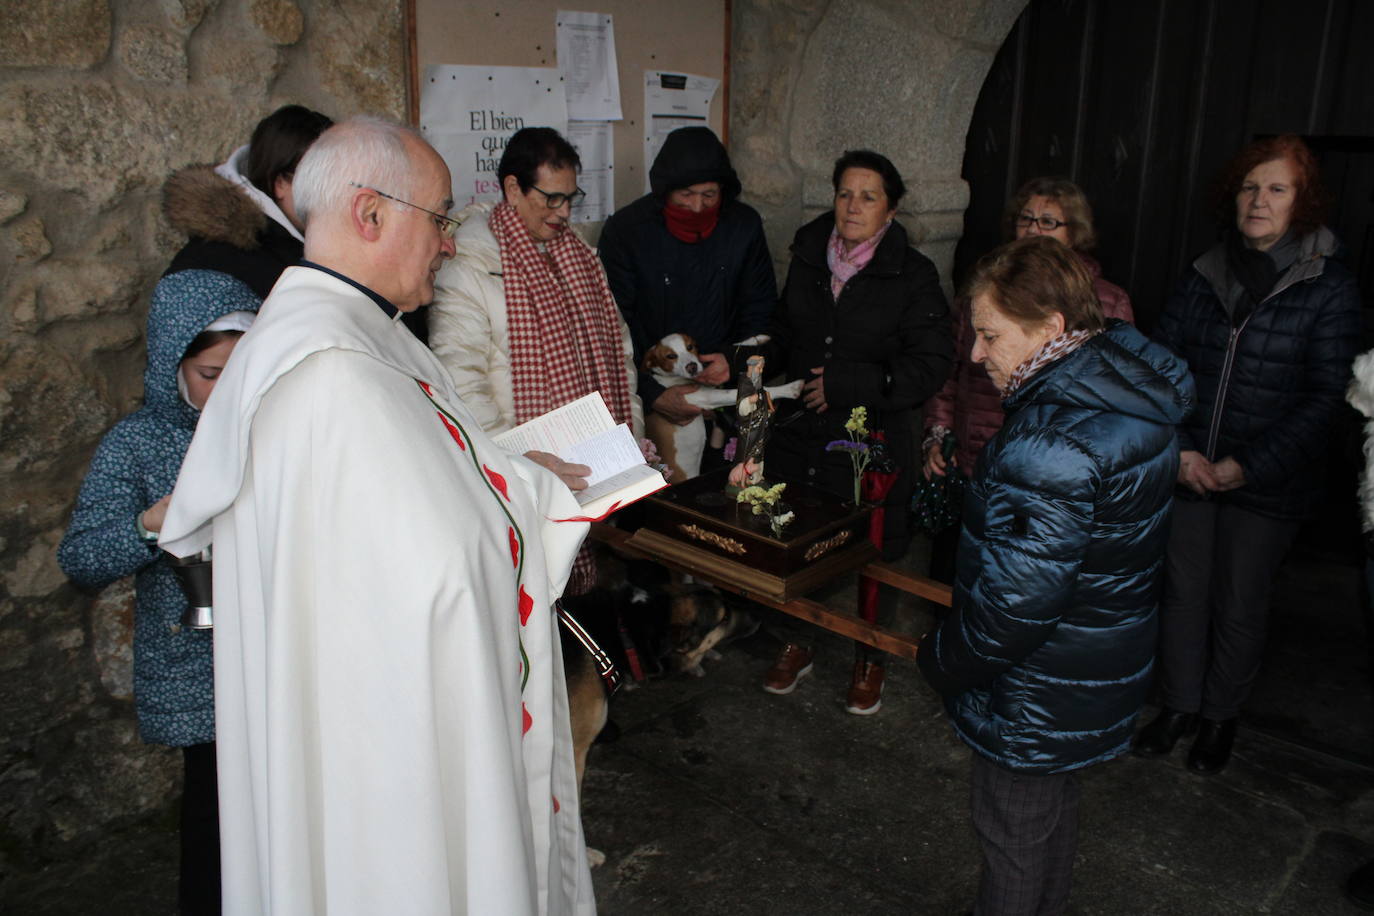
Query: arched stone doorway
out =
(811, 79)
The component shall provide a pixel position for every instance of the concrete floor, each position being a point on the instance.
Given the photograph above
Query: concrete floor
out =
(718, 798)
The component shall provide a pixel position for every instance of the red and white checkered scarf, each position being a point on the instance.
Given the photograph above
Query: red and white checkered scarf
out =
(564, 326)
(565, 339)
(1056, 348)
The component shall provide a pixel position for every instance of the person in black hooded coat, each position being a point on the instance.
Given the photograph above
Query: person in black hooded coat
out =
(690, 258)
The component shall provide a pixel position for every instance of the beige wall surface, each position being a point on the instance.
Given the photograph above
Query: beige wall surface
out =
(680, 37)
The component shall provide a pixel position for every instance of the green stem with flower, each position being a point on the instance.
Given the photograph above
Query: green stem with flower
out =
(768, 501)
(855, 446)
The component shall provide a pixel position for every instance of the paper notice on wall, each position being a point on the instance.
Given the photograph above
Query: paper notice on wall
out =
(469, 113)
(673, 100)
(586, 60)
(592, 140)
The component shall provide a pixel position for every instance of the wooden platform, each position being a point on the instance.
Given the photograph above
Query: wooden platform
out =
(682, 558)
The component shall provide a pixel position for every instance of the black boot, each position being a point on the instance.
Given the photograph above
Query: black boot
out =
(1211, 749)
(1159, 737)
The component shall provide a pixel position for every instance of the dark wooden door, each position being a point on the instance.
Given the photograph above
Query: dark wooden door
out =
(1142, 102)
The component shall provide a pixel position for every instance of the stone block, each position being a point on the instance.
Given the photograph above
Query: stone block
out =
(34, 437)
(240, 65)
(12, 203)
(100, 142)
(112, 626)
(186, 14)
(106, 773)
(77, 289)
(15, 649)
(36, 574)
(279, 20)
(358, 52)
(154, 54)
(66, 34)
(30, 240)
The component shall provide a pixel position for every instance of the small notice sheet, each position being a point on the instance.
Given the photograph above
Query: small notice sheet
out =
(584, 432)
(586, 59)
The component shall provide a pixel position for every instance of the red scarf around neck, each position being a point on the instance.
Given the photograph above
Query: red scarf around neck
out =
(690, 227)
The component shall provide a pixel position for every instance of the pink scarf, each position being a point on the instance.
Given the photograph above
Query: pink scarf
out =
(844, 263)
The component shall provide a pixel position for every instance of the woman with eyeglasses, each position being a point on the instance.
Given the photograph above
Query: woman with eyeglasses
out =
(969, 406)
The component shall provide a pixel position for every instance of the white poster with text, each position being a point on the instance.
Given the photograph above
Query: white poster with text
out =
(469, 113)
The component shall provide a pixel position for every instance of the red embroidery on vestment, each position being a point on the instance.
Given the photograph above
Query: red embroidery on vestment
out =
(424, 386)
(556, 806)
(526, 606)
(528, 721)
(452, 430)
(497, 481)
(514, 548)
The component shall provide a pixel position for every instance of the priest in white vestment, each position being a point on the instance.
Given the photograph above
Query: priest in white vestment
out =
(392, 717)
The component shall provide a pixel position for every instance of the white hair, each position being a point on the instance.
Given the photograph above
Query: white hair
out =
(361, 151)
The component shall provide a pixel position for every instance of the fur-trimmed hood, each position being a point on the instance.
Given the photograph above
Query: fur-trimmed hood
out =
(200, 203)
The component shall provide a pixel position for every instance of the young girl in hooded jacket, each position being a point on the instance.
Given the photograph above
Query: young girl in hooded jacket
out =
(195, 319)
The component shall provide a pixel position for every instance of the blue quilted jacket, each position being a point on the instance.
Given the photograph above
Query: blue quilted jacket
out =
(1268, 384)
(135, 465)
(1046, 655)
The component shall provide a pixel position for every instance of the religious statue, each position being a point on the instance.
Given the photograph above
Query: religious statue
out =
(755, 409)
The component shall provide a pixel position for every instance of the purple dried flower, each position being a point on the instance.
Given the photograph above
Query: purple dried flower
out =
(728, 453)
(846, 445)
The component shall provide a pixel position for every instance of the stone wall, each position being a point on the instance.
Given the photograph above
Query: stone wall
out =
(100, 100)
(812, 78)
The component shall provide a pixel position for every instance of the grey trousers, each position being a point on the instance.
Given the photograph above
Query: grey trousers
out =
(1027, 825)
(1220, 565)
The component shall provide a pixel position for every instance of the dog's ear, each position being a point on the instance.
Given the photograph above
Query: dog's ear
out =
(656, 357)
(688, 343)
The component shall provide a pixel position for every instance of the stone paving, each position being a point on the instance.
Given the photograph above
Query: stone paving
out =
(718, 798)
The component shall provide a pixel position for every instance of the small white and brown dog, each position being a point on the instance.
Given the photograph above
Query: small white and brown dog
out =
(674, 361)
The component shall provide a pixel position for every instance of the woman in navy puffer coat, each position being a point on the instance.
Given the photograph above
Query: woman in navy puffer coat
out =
(1269, 325)
(1046, 655)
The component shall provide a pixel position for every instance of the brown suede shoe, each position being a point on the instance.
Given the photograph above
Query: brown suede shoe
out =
(866, 690)
(793, 664)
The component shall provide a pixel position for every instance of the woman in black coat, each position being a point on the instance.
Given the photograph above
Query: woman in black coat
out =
(1268, 323)
(863, 319)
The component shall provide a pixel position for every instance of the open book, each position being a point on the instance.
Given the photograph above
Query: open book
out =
(584, 432)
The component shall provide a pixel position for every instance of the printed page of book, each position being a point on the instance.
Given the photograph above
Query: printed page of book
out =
(559, 429)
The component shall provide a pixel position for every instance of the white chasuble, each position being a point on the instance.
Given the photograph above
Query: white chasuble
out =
(392, 718)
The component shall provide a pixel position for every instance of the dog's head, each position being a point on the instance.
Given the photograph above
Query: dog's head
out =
(674, 355)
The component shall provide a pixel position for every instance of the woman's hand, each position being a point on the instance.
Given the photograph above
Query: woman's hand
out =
(573, 475)
(1229, 474)
(155, 515)
(813, 392)
(1197, 473)
(935, 462)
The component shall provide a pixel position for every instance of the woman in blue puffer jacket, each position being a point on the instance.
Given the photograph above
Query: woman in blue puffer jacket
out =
(1046, 656)
(194, 321)
(1269, 324)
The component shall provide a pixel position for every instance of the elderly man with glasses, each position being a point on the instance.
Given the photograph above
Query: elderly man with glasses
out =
(393, 733)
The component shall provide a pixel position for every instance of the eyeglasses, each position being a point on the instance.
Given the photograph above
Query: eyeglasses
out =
(556, 200)
(446, 225)
(1046, 223)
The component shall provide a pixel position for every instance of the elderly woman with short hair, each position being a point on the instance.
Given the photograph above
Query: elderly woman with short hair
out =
(1046, 655)
(1269, 323)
